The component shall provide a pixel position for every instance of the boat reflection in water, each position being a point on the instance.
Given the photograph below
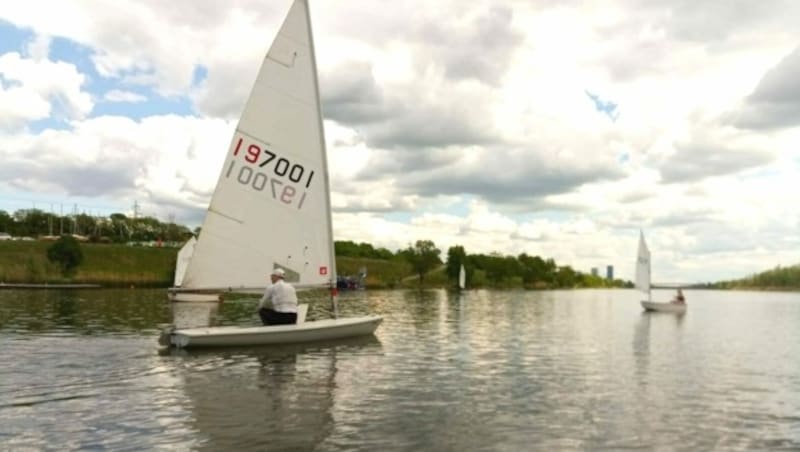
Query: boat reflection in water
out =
(194, 314)
(266, 397)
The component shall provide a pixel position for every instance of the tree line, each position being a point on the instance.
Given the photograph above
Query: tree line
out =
(482, 270)
(116, 228)
(424, 258)
(778, 277)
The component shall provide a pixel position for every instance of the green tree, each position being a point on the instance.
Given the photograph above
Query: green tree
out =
(6, 221)
(423, 257)
(85, 224)
(121, 232)
(66, 252)
(348, 248)
(456, 256)
(566, 277)
(30, 222)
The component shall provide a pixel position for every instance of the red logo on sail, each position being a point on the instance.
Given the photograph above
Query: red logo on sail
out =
(323, 271)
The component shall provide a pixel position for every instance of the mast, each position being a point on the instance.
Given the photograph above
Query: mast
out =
(326, 177)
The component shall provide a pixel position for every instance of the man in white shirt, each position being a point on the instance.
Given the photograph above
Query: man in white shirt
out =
(283, 299)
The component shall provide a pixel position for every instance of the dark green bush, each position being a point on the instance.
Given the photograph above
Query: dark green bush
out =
(66, 252)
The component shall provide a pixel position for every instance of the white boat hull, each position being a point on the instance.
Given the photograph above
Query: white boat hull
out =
(677, 308)
(194, 297)
(319, 330)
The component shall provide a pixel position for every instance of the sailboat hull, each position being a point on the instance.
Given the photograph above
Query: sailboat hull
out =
(676, 308)
(319, 330)
(194, 297)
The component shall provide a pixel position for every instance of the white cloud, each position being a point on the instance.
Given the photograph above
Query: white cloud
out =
(117, 95)
(39, 48)
(163, 162)
(37, 88)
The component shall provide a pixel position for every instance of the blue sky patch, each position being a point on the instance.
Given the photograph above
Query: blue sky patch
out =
(51, 123)
(200, 74)
(154, 105)
(607, 107)
(400, 216)
(461, 208)
(12, 38)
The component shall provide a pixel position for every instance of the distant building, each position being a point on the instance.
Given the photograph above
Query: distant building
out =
(595, 272)
(609, 272)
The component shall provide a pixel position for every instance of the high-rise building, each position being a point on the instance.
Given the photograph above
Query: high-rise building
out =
(609, 272)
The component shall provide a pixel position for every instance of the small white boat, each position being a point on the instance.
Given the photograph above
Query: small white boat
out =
(670, 306)
(271, 207)
(194, 297)
(231, 336)
(643, 283)
(462, 278)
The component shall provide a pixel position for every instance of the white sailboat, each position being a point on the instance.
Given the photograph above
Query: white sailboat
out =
(643, 282)
(271, 206)
(462, 278)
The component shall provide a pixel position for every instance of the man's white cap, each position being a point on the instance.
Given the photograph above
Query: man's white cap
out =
(278, 272)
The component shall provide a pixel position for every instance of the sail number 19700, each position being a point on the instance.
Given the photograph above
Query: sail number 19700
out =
(268, 172)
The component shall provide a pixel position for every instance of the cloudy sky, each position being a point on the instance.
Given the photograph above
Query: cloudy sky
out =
(556, 128)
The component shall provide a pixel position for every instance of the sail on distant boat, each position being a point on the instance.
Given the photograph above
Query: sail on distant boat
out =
(462, 278)
(271, 206)
(643, 267)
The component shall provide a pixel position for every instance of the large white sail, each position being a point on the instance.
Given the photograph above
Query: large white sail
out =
(462, 278)
(643, 266)
(271, 206)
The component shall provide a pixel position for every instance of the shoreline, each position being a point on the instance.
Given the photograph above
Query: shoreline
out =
(49, 286)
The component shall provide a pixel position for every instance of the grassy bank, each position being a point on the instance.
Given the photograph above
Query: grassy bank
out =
(107, 265)
(125, 266)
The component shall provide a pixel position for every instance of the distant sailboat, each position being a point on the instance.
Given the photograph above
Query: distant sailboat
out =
(643, 282)
(271, 206)
(462, 278)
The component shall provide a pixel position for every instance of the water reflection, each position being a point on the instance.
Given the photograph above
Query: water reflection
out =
(641, 347)
(86, 312)
(194, 314)
(482, 370)
(273, 397)
(267, 397)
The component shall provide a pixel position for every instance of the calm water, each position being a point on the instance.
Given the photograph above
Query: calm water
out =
(481, 371)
